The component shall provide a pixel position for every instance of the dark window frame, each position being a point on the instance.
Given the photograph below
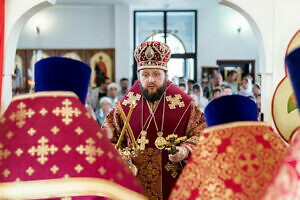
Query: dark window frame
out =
(185, 56)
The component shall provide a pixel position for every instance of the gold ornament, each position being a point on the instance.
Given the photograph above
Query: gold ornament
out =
(160, 141)
(143, 141)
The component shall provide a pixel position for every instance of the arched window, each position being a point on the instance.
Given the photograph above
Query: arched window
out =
(175, 66)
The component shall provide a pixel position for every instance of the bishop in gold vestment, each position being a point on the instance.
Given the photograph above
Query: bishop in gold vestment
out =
(162, 117)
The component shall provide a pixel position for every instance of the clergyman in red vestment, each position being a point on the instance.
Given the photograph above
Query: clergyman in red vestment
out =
(161, 112)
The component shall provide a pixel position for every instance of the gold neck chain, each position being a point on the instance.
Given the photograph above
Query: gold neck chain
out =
(153, 116)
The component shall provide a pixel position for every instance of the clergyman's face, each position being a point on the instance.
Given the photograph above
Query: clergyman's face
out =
(152, 83)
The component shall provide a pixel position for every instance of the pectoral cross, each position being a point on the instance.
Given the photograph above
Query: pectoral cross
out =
(174, 168)
(143, 141)
(172, 141)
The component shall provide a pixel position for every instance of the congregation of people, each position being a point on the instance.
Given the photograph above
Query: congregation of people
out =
(102, 98)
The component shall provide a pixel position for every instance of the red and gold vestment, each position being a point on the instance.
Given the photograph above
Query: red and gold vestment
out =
(174, 113)
(231, 161)
(51, 136)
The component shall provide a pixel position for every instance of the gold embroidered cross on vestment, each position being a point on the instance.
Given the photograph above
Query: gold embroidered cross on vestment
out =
(175, 101)
(2, 119)
(21, 115)
(42, 150)
(131, 99)
(29, 171)
(90, 151)
(67, 112)
(4, 153)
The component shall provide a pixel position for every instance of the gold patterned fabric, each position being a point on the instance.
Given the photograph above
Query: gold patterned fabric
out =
(232, 161)
(150, 167)
(50, 135)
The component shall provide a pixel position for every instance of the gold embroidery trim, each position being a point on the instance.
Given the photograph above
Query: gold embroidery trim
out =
(44, 94)
(4, 153)
(30, 171)
(234, 124)
(102, 170)
(57, 188)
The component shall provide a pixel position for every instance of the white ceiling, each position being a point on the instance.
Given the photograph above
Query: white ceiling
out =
(151, 3)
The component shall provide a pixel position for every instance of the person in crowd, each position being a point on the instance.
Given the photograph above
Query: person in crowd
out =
(223, 86)
(217, 92)
(99, 92)
(207, 89)
(105, 108)
(124, 83)
(256, 90)
(250, 78)
(182, 80)
(227, 90)
(195, 99)
(202, 100)
(216, 82)
(231, 81)
(159, 109)
(190, 86)
(240, 87)
(258, 102)
(246, 88)
(182, 87)
(88, 105)
(112, 93)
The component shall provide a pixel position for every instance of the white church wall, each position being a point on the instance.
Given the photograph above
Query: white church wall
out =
(123, 41)
(70, 27)
(104, 26)
(218, 37)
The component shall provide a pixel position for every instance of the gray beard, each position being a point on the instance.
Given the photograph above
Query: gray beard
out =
(155, 96)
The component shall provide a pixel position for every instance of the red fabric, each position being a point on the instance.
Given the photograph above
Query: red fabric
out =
(152, 53)
(79, 132)
(286, 182)
(232, 161)
(2, 20)
(171, 119)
